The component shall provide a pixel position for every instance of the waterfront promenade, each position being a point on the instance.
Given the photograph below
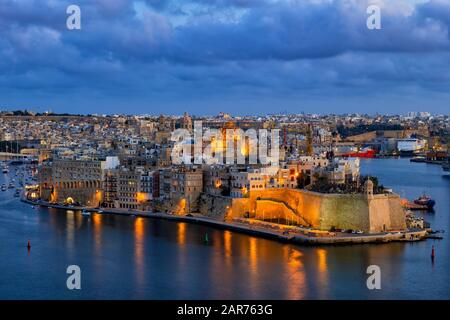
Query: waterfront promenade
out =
(296, 235)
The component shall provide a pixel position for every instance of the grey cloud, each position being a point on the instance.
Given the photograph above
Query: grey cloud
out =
(270, 49)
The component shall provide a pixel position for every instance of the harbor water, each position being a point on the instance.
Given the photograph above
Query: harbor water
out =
(138, 258)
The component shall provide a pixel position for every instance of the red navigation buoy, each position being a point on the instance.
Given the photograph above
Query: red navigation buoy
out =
(432, 253)
(29, 245)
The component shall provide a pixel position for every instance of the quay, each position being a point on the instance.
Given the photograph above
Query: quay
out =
(276, 232)
(414, 206)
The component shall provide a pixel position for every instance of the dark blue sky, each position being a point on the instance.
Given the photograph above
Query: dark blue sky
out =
(238, 56)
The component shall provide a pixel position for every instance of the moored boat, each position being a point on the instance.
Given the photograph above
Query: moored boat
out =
(425, 200)
(418, 159)
(363, 153)
(84, 212)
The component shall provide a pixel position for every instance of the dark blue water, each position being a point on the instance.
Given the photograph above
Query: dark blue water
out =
(136, 258)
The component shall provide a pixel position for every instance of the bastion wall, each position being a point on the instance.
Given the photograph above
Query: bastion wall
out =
(370, 213)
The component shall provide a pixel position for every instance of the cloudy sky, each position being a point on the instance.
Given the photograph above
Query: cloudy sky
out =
(238, 56)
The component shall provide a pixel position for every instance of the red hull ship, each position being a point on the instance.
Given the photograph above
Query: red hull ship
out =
(366, 153)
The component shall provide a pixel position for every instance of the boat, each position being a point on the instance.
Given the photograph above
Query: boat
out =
(409, 147)
(11, 185)
(3, 187)
(84, 212)
(17, 194)
(5, 169)
(353, 152)
(425, 200)
(364, 153)
(16, 162)
(418, 159)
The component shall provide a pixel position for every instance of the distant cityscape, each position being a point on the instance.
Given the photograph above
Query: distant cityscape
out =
(232, 153)
(124, 164)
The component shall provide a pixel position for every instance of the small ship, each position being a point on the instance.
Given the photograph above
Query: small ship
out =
(426, 201)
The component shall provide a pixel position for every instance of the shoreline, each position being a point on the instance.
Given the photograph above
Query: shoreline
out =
(258, 231)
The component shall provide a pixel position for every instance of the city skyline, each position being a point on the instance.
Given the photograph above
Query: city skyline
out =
(241, 57)
(4, 110)
(217, 158)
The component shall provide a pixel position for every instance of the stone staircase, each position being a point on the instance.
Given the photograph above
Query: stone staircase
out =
(294, 212)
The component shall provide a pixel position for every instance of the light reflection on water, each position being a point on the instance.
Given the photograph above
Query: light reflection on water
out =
(96, 221)
(322, 275)
(139, 236)
(124, 257)
(295, 272)
(181, 233)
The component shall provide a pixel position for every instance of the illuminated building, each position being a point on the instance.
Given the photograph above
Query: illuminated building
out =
(79, 180)
(128, 188)
(217, 180)
(110, 189)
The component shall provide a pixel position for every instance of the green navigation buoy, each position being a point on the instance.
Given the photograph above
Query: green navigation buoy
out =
(206, 238)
